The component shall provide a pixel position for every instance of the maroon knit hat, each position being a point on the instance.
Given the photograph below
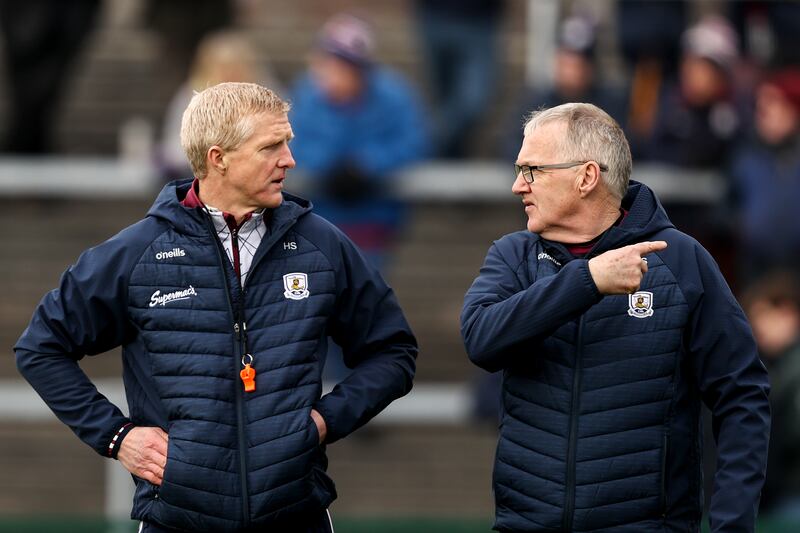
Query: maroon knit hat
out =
(787, 81)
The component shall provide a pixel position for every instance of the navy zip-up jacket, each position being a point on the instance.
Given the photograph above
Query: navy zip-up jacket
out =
(165, 290)
(601, 422)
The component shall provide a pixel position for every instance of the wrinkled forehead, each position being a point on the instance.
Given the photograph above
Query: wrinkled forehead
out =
(272, 126)
(279, 123)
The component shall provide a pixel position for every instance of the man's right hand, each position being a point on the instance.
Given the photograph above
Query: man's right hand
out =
(620, 271)
(143, 453)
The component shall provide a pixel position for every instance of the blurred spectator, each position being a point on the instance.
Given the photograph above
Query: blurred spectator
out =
(769, 30)
(356, 124)
(697, 120)
(221, 56)
(765, 175)
(649, 36)
(575, 80)
(459, 39)
(41, 39)
(773, 308)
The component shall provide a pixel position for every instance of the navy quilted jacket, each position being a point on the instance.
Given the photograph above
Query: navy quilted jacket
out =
(164, 290)
(601, 426)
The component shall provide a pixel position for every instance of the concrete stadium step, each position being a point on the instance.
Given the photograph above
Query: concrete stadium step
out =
(433, 265)
(47, 463)
(419, 470)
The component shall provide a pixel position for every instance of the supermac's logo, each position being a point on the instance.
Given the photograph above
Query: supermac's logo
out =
(163, 299)
(640, 304)
(296, 285)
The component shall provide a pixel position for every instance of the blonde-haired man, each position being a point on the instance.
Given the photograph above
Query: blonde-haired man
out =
(223, 298)
(610, 327)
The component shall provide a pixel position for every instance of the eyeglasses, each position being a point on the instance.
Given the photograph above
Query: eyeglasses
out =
(528, 170)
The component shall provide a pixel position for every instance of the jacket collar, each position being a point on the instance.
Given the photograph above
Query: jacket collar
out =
(645, 216)
(169, 206)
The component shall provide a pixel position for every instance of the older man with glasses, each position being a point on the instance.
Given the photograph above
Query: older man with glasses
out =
(610, 327)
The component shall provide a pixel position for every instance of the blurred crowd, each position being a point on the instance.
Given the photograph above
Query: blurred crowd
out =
(718, 92)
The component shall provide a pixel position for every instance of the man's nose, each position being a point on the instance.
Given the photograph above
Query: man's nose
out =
(287, 159)
(520, 186)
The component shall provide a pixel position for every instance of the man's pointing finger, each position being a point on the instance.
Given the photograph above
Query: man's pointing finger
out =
(647, 247)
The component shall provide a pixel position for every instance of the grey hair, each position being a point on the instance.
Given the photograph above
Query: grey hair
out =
(222, 115)
(591, 135)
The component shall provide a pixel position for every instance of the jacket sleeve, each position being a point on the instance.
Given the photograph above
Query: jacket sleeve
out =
(734, 385)
(85, 315)
(377, 343)
(499, 313)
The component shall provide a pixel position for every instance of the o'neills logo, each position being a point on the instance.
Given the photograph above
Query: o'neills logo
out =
(175, 252)
(163, 299)
(547, 256)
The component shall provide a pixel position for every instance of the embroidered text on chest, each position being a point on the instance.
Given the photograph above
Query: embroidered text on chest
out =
(163, 299)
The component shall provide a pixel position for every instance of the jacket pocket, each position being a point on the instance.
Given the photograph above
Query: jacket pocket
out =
(145, 495)
(159, 489)
(313, 430)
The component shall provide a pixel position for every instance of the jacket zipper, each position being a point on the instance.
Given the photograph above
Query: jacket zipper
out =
(569, 505)
(663, 501)
(239, 332)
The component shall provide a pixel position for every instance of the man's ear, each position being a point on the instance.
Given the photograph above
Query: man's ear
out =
(215, 159)
(588, 179)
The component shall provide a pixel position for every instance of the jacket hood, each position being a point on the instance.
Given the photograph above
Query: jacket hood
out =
(167, 207)
(645, 218)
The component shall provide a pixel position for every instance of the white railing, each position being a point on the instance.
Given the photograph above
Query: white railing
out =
(433, 181)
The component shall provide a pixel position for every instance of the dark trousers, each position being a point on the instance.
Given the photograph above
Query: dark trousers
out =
(319, 523)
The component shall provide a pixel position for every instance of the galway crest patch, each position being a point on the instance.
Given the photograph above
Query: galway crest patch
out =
(296, 285)
(640, 304)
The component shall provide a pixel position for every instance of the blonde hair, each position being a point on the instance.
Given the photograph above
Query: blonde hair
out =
(592, 135)
(222, 115)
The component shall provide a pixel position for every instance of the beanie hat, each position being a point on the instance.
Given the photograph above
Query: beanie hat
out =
(713, 39)
(349, 38)
(787, 81)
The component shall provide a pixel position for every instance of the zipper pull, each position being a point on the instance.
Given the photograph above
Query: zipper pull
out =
(248, 374)
(237, 331)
